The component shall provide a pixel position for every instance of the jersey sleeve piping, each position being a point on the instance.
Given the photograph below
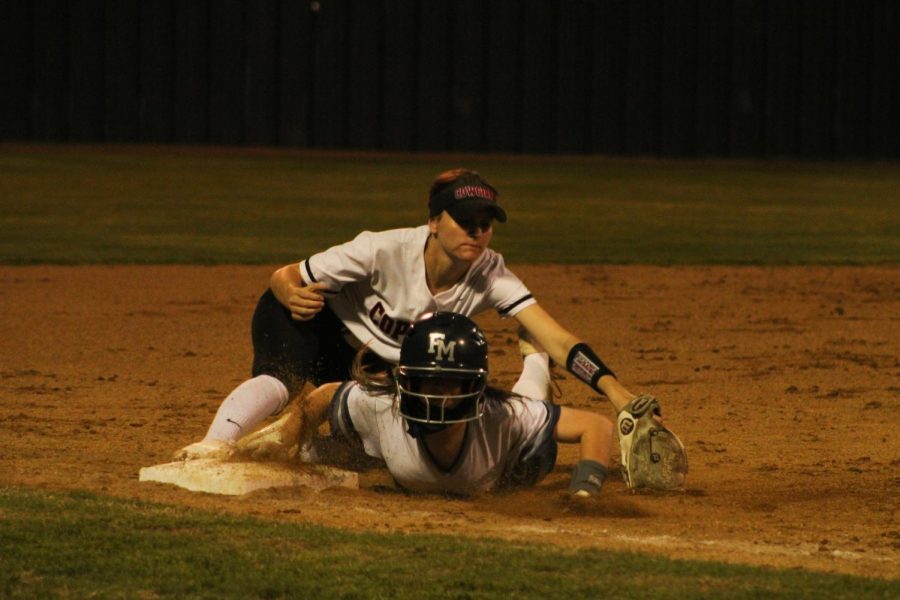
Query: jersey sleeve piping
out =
(309, 273)
(505, 310)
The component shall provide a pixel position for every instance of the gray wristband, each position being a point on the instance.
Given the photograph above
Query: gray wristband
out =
(587, 476)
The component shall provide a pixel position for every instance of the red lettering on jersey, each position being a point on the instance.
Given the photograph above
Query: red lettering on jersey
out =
(386, 325)
(395, 328)
(376, 312)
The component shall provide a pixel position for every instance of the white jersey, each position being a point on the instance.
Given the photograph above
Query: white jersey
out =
(376, 285)
(508, 437)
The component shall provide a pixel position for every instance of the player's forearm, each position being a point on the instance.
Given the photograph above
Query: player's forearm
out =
(596, 446)
(592, 432)
(566, 349)
(555, 339)
(584, 363)
(595, 440)
(615, 391)
(560, 346)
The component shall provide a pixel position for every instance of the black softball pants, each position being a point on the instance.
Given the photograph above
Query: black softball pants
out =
(295, 352)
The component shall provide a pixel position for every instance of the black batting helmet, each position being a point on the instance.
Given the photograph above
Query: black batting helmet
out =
(443, 346)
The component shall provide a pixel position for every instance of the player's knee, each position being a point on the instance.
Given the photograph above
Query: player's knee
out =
(326, 389)
(291, 381)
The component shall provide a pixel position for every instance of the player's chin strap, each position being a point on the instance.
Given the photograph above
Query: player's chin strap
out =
(584, 364)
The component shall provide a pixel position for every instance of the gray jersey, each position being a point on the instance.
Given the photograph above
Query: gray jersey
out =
(377, 286)
(511, 444)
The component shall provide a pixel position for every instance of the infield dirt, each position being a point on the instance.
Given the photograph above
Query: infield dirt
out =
(784, 384)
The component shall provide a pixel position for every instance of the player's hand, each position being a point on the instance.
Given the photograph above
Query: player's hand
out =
(305, 302)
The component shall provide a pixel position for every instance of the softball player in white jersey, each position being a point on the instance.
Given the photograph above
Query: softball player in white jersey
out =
(377, 286)
(438, 427)
(510, 433)
(316, 314)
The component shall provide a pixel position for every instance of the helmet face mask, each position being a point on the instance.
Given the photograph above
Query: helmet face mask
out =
(442, 374)
(440, 407)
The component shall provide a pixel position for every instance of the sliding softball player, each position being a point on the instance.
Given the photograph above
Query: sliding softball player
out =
(439, 427)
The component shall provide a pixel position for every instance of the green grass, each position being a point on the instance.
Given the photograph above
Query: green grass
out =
(107, 204)
(81, 545)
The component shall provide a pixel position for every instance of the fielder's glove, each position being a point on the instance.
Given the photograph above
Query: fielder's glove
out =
(653, 458)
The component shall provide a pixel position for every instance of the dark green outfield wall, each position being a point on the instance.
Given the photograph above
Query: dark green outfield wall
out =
(757, 78)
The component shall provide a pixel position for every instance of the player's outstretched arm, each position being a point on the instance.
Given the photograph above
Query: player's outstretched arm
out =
(594, 433)
(553, 337)
(566, 349)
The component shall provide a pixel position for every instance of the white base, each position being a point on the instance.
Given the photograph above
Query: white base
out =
(214, 476)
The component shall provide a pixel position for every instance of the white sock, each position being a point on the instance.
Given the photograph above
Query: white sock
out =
(247, 406)
(534, 382)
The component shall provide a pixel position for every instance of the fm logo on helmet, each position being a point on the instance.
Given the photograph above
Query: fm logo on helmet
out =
(440, 348)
